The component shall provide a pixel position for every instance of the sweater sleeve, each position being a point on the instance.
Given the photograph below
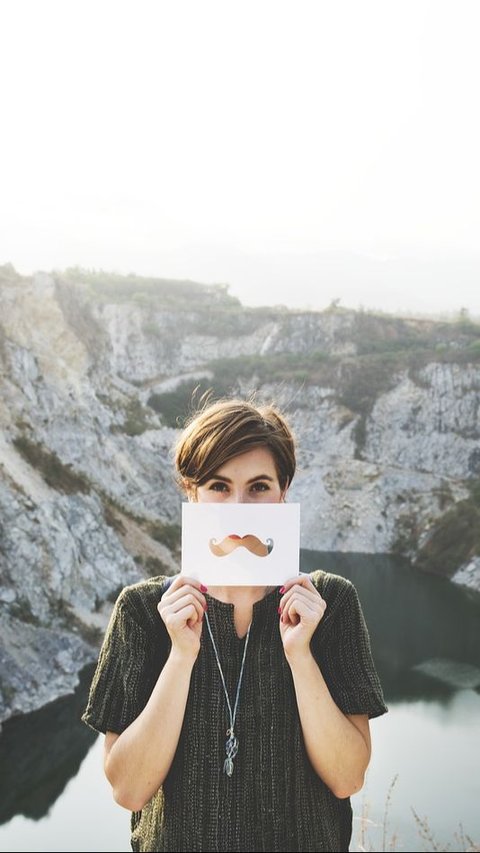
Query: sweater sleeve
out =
(341, 647)
(128, 667)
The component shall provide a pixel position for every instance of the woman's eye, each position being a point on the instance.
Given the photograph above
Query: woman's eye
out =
(218, 487)
(260, 487)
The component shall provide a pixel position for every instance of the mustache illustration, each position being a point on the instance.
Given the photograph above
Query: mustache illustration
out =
(250, 542)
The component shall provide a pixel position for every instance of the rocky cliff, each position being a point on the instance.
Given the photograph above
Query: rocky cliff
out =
(97, 373)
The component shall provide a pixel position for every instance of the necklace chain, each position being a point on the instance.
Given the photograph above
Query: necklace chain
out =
(231, 745)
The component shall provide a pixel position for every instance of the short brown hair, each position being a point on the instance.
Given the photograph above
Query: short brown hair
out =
(224, 429)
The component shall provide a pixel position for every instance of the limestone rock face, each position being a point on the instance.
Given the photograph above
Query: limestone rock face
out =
(469, 574)
(432, 423)
(88, 501)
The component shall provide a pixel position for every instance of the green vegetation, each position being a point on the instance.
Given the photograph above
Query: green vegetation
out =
(385, 347)
(414, 343)
(273, 367)
(169, 534)
(204, 309)
(168, 293)
(211, 310)
(9, 275)
(112, 519)
(363, 380)
(473, 350)
(111, 503)
(160, 531)
(152, 566)
(175, 406)
(455, 539)
(136, 419)
(375, 335)
(21, 610)
(444, 495)
(407, 533)
(56, 474)
(475, 492)
(466, 324)
(225, 321)
(65, 613)
(358, 380)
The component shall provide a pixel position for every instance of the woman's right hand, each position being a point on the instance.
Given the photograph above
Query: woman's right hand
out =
(182, 608)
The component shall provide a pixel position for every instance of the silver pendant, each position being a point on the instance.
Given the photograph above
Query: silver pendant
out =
(231, 748)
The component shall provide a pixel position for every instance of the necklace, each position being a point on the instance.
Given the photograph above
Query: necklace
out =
(231, 744)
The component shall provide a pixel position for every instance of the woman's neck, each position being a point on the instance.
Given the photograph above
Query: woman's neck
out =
(243, 598)
(240, 596)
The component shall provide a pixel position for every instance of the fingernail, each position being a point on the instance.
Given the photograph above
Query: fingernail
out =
(203, 588)
(279, 611)
(282, 589)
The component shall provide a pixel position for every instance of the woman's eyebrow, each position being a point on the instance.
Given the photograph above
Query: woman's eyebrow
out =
(252, 479)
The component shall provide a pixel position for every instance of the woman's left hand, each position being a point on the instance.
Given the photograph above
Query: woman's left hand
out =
(302, 608)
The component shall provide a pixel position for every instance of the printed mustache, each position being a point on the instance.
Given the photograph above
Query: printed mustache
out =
(250, 542)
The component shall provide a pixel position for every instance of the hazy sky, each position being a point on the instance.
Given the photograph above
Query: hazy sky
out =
(302, 151)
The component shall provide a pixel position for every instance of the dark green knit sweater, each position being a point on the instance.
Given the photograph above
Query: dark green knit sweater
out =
(274, 800)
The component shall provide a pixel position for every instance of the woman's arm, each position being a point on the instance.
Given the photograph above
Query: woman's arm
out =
(337, 744)
(138, 760)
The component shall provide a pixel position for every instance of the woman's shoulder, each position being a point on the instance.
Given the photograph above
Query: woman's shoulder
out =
(140, 599)
(333, 588)
(343, 604)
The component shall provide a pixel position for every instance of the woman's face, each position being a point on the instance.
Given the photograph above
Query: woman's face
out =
(250, 477)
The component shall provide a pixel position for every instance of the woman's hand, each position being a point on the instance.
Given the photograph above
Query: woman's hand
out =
(301, 609)
(182, 608)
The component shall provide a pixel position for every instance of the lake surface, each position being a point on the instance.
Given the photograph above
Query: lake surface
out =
(425, 636)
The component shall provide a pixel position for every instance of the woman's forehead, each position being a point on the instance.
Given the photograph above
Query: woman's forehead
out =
(257, 459)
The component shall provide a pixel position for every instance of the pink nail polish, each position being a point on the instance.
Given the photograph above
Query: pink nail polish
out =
(203, 588)
(279, 611)
(282, 589)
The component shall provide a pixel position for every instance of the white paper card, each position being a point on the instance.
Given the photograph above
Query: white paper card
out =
(240, 544)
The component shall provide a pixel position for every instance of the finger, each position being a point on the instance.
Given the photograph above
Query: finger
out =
(186, 589)
(299, 609)
(166, 609)
(183, 580)
(297, 589)
(301, 579)
(182, 600)
(299, 596)
(311, 595)
(175, 620)
(177, 616)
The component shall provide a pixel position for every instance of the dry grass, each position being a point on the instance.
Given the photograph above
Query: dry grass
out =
(367, 836)
(366, 825)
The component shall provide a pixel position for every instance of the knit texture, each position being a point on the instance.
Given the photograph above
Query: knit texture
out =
(274, 800)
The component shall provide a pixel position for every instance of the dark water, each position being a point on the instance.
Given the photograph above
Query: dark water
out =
(412, 617)
(425, 636)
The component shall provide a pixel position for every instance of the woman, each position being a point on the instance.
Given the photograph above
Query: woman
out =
(236, 718)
